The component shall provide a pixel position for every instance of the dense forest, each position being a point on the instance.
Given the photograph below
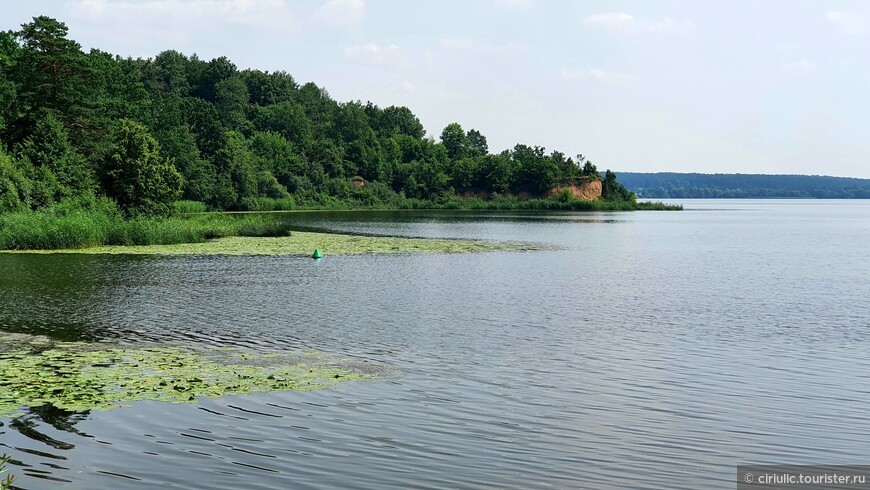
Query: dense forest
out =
(693, 185)
(146, 133)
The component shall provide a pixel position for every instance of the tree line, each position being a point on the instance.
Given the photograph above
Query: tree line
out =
(695, 185)
(147, 132)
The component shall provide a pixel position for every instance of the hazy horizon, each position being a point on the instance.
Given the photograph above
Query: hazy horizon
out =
(669, 86)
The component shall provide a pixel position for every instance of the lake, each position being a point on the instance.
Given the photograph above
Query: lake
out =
(648, 349)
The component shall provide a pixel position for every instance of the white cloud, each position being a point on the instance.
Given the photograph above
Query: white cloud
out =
(165, 15)
(408, 86)
(623, 22)
(850, 22)
(341, 13)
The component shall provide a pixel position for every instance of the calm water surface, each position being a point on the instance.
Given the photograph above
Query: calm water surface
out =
(652, 350)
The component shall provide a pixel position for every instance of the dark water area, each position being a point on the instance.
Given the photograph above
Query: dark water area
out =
(650, 350)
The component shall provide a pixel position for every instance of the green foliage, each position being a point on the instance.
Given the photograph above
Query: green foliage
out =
(189, 207)
(614, 191)
(49, 160)
(9, 54)
(146, 132)
(14, 186)
(536, 173)
(287, 119)
(92, 222)
(455, 140)
(477, 143)
(270, 204)
(167, 74)
(269, 88)
(237, 182)
(136, 175)
(54, 73)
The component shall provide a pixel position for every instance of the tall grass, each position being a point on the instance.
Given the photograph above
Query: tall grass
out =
(5, 482)
(273, 204)
(100, 223)
(190, 207)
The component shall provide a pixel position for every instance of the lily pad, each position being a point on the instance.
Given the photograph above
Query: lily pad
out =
(78, 376)
(303, 243)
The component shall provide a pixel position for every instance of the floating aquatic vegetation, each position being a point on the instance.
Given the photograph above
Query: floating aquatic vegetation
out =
(77, 376)
(303, 243)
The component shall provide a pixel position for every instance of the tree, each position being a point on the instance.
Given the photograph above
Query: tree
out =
(287, 118)
(236, 168)
(327, 156)
(14, 186)
(394, 120)
(498, 172)
(319, 107)
(231, 101)
(54, 71)
(465, 173)
(611, 190)
(455, 141)
(136, 176)
(477, 142)
(277, 156)
(51, 163)
(205, 124)
(536, 173)
(168, 73)
(179, 144)
(351, 123)
(216, 71)
(9, 52)
(269, 88)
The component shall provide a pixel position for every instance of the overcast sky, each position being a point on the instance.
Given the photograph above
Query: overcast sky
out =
(773, 86)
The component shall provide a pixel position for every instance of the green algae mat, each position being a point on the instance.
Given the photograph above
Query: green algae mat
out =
(78, 376)
(304, 243)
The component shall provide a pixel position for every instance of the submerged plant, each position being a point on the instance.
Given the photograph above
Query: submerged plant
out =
(79, 377)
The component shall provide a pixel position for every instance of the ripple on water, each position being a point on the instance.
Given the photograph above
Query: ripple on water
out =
(655, 347)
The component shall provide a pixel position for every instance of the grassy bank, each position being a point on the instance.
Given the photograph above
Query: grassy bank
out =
(98, 223)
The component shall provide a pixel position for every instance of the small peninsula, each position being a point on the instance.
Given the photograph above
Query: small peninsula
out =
(97, 149)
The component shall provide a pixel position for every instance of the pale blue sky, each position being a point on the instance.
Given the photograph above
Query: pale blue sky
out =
(774, 86)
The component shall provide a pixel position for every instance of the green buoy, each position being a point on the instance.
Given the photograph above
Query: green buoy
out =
(317, 254)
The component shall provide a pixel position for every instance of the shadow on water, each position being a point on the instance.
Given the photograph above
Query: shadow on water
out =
(34, 426)
(62, 420)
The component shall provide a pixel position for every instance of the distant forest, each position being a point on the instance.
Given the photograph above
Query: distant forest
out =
(694, 185)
